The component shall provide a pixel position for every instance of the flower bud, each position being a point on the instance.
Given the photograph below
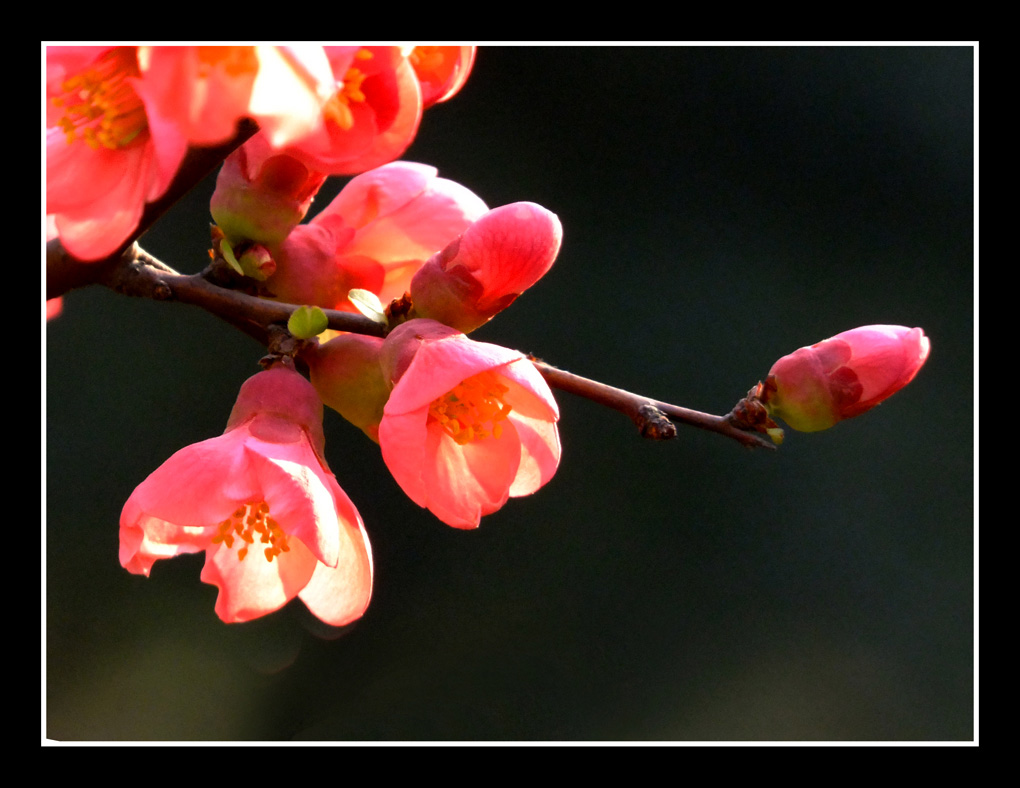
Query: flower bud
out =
(814, 387)
(261, 195)
(483, 271)
(347, 375)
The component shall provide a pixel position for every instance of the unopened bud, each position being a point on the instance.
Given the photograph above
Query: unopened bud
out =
(841, 377)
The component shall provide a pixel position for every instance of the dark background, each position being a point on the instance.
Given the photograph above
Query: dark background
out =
(721, 207)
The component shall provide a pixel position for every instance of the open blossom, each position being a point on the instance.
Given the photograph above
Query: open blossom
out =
(815, 387)
(374, 235)
(372, 116)
(120, 120)
(483, 271)
(467, 425)
(379, 95)
(263, 505)
(205, 90)
(108, 153)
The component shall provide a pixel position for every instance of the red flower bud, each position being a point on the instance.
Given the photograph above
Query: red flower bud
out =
(482, 272)
(814, 387)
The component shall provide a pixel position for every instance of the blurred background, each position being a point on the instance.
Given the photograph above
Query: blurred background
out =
(721, 208)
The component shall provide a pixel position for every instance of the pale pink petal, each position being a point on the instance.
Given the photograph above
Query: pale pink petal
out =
(292, 85)
(338, 595)
(253, 587)
(145, 539)
(540, 453)
(300, 495)
(379, 192)
(466, 482)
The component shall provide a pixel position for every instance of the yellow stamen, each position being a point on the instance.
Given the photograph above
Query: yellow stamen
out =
(247, 521)
(473, 409)
(100, 106)
(338, 108)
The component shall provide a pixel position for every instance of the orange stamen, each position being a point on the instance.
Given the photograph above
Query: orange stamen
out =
(338, 108)
(100, 106)
(473, 409)
(247, 521)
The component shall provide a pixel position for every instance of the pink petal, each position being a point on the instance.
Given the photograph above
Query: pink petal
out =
(464, 483)
(253, 587)
(341, 594)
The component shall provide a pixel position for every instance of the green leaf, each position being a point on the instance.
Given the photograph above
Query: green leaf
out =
(228, 254)
(306, 322)
(368, 303)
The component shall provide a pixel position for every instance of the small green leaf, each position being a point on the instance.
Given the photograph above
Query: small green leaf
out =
(228, 254)
(306, 322)
(368, 303)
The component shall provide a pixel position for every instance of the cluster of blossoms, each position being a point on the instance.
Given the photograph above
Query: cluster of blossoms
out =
(463, 426)
(120, 119)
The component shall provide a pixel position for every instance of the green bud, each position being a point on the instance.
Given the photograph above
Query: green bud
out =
(306, 322)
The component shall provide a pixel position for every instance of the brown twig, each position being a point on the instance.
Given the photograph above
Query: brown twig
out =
(137, 273)
(141, 274)
(651, 416)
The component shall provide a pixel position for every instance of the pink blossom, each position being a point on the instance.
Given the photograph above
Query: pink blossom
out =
(372, 116)
(482, 272)
(467, 425)
(205, 90)
(374, 235)
(107, 152)
(263, 505)
(843, 376)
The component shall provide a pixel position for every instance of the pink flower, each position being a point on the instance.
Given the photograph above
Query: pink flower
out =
(467, 425)
(483, 271)
(107, 152)
(206, 90)
(374, 235)
(841, 377)
(372, 116)
(263, 505)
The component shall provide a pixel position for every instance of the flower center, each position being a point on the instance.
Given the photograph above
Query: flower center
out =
(246, 523)
(100, 106)
(338, 108)
(473, 409)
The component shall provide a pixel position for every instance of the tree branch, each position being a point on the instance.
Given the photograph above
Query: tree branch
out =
(137, 273)
(652, 417)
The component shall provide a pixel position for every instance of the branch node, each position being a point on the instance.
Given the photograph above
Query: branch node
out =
(161, 291)
(653, 423)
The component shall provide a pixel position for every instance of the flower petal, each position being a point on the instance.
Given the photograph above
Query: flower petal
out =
(254, 586)
(340, 594)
